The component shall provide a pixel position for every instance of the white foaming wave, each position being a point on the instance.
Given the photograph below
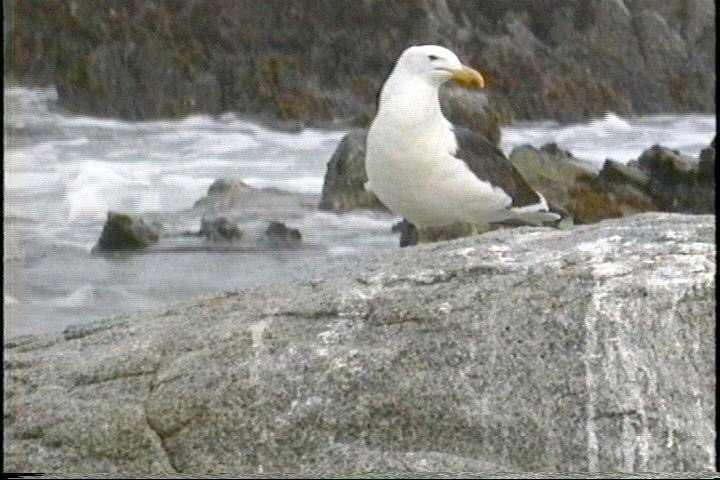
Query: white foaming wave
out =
(610, 121)
(39, 153)
(308, 139)
(97, 122)
(10, 300)
(304, 184)
(366, 220)
(203, 164)
(74, 142)
(79, 297)
(94, 187)
(222, 143)
(31, 181)
(17, 91)
(196, 121)
(22, 172)
(617, 138)
(123, 153)
(181, 191)
(341, 251)
(178, 135)
(603, 127)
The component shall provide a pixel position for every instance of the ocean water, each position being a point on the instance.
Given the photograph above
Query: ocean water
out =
(63, 172)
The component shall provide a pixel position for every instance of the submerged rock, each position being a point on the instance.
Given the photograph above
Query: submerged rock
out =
(231, 197)
(219, 229)
(123, 232)
(423, 359)
(278, 232)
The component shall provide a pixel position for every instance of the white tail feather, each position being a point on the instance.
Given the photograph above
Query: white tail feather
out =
(535, 218)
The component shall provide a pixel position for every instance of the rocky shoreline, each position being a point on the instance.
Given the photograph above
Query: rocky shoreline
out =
(532, 349)
(660, 180)
(321, 62)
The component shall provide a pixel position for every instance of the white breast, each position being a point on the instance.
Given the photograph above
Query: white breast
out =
(411, 168)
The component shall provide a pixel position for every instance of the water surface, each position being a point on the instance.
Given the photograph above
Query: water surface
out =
(63, 172)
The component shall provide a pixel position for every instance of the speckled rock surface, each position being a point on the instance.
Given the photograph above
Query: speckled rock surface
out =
(531, 349)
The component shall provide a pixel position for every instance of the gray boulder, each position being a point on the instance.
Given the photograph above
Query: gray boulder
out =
(125, 232)
(527, 350)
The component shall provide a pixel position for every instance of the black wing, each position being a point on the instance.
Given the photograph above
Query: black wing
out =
(490, 164)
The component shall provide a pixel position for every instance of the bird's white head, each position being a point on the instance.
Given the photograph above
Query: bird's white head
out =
(437, 65)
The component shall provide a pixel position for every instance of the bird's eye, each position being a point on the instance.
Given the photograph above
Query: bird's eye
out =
(432, 57)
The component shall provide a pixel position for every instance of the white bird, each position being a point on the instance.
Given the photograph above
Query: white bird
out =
(428, 171)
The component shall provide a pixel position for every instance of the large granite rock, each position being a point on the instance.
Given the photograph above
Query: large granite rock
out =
(324, 60)
(583, 350)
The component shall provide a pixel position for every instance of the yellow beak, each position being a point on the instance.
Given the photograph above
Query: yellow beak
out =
(468, 77)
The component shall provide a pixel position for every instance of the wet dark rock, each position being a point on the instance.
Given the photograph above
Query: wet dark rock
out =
(219, 229)
(706, 166)
(574, 186)
(279, 232)
(421, 360)
(551, 171)
(667, 165)
(324, 62)
(231, 211)
(614, 173)
(124, 232)
(679, 183)
(345, 177)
